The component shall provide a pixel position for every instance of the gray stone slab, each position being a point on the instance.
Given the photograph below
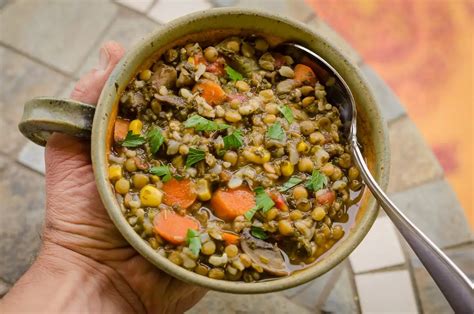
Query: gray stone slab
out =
(434, 208)
(412, 161)
(21, 219)
(295, 9)
(431, 298)
(343, 297)
(32, 156)
(334, 38)
(387, 100)
(59, 33)
(217, 302)
(128, 28)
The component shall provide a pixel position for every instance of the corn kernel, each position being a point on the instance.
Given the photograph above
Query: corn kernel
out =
(202, 190)
(150, 196)
(287, 168)
(257, 155)
(115, 172)
(302, 147)
(135, 126)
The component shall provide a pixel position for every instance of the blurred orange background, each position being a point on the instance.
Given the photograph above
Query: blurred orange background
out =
(424, 51)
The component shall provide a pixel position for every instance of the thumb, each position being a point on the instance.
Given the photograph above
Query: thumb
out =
(64, 152)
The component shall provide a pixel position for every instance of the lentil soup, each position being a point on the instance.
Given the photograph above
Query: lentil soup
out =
(229, 160)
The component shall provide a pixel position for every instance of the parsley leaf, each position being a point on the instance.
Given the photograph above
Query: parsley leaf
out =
(155, 138)
(195, 155)
(287, 113)
(258, 233)
(275, 132)
(233, 74)
(291, 183)
(202, 124)
(133, 140)
(193, 241)
(317, 181)
(262, 202)
(233, 140)
(163, 172)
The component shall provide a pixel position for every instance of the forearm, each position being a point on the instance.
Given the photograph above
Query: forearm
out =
(62, 281)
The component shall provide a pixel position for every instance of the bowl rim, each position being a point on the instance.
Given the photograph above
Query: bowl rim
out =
(105, 104)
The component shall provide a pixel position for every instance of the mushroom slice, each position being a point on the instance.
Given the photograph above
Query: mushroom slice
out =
(264, 254)
(171, 100)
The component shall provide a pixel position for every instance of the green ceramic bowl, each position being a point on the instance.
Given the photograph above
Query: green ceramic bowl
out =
(45, 115)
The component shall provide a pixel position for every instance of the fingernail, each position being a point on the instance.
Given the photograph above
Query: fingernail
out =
(104, 58)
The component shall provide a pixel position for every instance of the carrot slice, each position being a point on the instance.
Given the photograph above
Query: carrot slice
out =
(179, 192)
(173, 227)
(120, 129)
(230, 238)
(279, 201)
(228, 204)
(304, 74)
(211, 92)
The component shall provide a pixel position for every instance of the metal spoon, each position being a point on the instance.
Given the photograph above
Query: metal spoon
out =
(453, 283)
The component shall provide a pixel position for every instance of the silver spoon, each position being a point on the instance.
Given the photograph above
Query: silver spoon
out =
(453, 283)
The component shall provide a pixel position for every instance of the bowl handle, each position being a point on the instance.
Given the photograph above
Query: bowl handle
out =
(44, 115)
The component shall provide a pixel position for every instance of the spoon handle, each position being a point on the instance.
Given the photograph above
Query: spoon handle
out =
(453, 283)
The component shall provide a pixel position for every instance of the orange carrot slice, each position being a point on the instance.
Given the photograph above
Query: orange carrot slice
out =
(228, 204)
(211, 92)
(173, 227)
(304, 75)
(230, 238)
(179, 192)
(120, 129)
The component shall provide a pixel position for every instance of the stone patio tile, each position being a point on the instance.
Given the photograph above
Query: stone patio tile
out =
(22, 218)
(412, 161)
(4, 288)
(334, 38)
(128, 28)
(387, 100)
(295, 9)
(168, 10)
(386, 292)
(380, 248)
(32, 156)
(435, 210)
(342, 298)
(138, 5)
(431, 298)
(59, 33)
(217, 302)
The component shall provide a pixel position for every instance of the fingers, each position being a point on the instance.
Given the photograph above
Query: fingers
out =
(88, 88)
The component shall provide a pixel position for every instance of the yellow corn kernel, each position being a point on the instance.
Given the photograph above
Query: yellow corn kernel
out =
(302, 147)
(202, 190)
(115, 172)
(150, 196)
(135, 126)
(191, 60)
(257, 155)
(145, 75)
(287, 168)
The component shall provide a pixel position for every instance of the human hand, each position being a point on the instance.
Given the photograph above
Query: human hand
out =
(78, 231)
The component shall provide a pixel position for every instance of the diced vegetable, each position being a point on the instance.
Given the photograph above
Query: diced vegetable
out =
(211, 92)
(120, 129)
(230, 203)
(173, 227)
(304, 75)
(179, 192)
(150, 196)
(230, 238)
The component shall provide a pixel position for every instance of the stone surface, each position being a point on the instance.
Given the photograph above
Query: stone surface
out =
(435, 210)
(167, 10)
(32, 156)
(431, 298)
(4, 287)
(139, 5)
(380, 248)
(386, 292)
(387, 100)
(53, 31)
(295, 9)
(217, 302)
(128, 28)
(342, 298)
(335, 39)
(412, 162)
(21, 79)
(22, 218)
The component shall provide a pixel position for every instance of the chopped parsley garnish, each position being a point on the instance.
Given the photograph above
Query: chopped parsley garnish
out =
(155, 138)
(194, 156)
(263, 202)
(202, 124)
(291, 183)
(275, 132)
(287, 113)
(317, 181)
(233, 74)
(163, 172)
(233, 140)
(258, 233)
(193, 241)
(133, 140)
